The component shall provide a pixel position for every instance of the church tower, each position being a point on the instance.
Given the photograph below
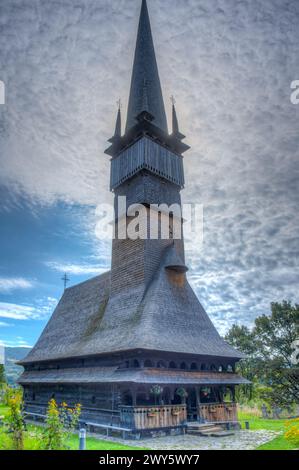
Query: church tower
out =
(134, 346)
(146, 169)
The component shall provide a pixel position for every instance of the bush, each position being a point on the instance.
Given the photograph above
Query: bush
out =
(14, 419)
(61, 421)
(292, 432)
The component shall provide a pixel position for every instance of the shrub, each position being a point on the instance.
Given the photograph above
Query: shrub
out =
(14, 419)
(61, 421)
(292, 432)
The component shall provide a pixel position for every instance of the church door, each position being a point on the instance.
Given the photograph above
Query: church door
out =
(191, 405)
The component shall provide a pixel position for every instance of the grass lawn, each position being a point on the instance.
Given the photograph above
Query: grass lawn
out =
(279, 442)
(34, 433)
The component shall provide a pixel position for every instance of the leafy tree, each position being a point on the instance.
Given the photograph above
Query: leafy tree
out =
(269, 348)
(2, 375)
(241, 338)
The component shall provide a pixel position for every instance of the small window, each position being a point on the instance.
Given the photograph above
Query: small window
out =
(136, 363)
(203, 367)
(193, 366)
(161, 365)
(172, 365)
(148, 363)
(93, 399)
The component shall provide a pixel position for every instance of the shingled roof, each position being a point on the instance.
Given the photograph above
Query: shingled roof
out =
(161, 317)
(140, 376)
(145, 81)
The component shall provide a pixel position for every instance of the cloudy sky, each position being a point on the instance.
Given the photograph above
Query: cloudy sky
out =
(229, 63)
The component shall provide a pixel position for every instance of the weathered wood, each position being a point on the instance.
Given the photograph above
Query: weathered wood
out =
(153, 417)
(218, 412)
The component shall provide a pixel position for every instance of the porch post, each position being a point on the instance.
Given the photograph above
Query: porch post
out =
(134, 396)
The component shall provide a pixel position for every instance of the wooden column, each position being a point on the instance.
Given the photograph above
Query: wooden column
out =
(134, 396)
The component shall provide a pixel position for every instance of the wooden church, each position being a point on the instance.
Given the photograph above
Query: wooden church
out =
(134, 346)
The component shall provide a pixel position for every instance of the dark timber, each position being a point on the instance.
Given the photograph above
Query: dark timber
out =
(117, 338)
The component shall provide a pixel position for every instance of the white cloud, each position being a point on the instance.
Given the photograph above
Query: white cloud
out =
(17, 343)
(77, 269)
(230, 65)
(39, 311)
(10, 284)
(4, 324)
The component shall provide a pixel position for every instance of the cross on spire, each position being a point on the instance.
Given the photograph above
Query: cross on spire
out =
(119, 104)
(65, 280)
(145, 68)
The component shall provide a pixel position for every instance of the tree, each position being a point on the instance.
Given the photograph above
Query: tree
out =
(241, 338)
(2, 375)
(269, 347)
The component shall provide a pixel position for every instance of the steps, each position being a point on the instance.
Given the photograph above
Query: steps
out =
(207, 430)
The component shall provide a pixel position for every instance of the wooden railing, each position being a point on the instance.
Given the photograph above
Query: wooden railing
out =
(153, 417)
(218, 412)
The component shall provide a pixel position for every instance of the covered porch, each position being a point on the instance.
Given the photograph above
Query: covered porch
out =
(158, 406)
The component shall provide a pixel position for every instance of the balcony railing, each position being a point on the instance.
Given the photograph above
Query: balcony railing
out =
(218, 412)
(153, 417)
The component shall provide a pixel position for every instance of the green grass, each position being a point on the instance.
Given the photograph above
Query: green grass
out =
(33, 437)
(278, 425)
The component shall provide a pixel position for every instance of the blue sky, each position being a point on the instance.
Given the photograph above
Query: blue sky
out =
(229, 64)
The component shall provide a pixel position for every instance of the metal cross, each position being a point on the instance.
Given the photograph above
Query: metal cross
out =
(65, 280)
(172, 99)
(119, 104)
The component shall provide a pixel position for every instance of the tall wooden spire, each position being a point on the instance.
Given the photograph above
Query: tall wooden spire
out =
(145, 70)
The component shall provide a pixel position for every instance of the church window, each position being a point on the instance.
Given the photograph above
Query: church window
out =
(148, 363)
(161, 365)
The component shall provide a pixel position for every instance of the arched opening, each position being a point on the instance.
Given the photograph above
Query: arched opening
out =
(142, 399)
(127, 399)
(161, 365)
(229, 368)
(136, 363)
(33, 396)
(172, 365)
(207, 395)
(193, 366)
(93, 399)
(148, 363)
(183, 365)
(127, 364)
(53, 396)
(203, 367)
(191, 403)
(166, 396)
(213, 368)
